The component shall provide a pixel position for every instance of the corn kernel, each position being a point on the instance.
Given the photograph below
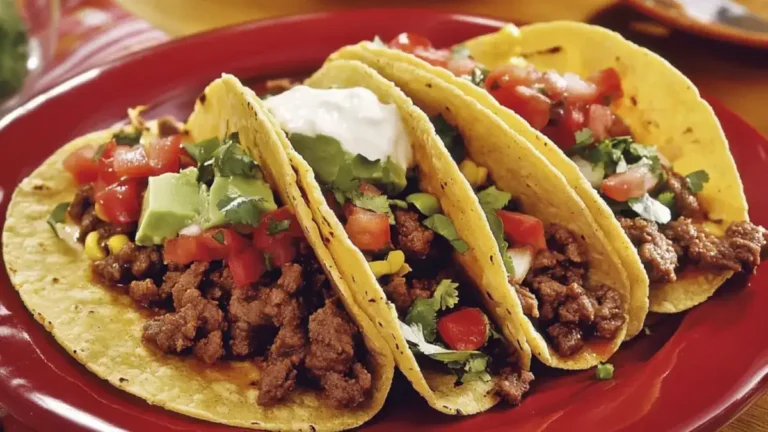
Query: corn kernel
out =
(380, 268)
(396, 259)
(99, 210)
(93, 249)
(469, 169)
(482, 176)
(117, 242)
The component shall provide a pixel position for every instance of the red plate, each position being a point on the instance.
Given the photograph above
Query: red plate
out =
(695, 370)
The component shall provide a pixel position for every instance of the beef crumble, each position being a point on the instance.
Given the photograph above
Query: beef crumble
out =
(685, 200)
(555, 291)
(289, 322)
(682, 242)
(413, 238)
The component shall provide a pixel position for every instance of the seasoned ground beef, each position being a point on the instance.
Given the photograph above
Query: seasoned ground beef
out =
(527, 301)
(402, 295)
(512, 385)
(555, 291)
(144, 292)
(657, 252)
(739, 250)
(82, 201)
(685, 200)
(413, 238)
(130, 264)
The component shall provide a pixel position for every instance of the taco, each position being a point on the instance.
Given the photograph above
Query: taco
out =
(179, 266)
(632, 137)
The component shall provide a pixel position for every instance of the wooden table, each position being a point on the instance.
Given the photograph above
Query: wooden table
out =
(736, 76)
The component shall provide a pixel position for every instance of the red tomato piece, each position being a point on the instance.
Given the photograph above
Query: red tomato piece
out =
(281, 247)
(81, 164)
(121, 201)
(632, 183)
(512, 87)
(464, 330)
(222, 242)
(461, 66)
(599, 121)
(408, 42)
(246, 266)
(107, 174)
(513, 76)
(435, 57)
(608, 84)
(619, 128)
(522, 229)
(554, 85)
(368, 230)
(186, 249)
(164, 154)
(132, 162)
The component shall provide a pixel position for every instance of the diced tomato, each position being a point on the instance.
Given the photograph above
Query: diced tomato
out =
(81, 164)
(599, 121)
(368, 189)
(186, 249)
(246, 266)
(608, 84)
(513, 76)
(222, 242)
(408, 42)
(367, 230)
(579, 91)
(632, 183)
(554, 85)
(619, 128)
(121, 201)
(511, 86)
(279, 247)
(566, 121)
(107, 174)
(522, 229)
(165, 154)
(132, 162)
(464, 330)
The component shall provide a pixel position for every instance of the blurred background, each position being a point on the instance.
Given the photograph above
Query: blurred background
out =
(721, 45)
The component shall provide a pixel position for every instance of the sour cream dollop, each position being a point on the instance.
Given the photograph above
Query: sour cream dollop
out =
(355, 117)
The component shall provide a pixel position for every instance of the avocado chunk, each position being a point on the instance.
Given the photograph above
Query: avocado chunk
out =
(244, 200)
(171, 202)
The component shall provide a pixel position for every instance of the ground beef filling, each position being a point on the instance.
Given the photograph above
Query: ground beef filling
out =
(568, 310)
(290, 322)
(683, 242)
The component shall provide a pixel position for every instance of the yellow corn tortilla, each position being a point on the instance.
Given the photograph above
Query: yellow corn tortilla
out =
(517, 168)
(662, 108)
(102, 327)
(440, 177)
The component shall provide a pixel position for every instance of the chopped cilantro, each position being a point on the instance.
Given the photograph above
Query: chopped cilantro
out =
(604, 371)
(204, 150)
(230, 160)
(621, 165)
(477, 76)
(205, 173)
(696, 180)
(423, 314)
(57, 216)
(325, 163)
(443, 226)
(584, 137)
(278, 226)
(427, 204)
(127, 137)
(242, 210)
(219, 237)
(493, 198)
(450, 136)
(651, 209)
(446, 296)
(374, 203)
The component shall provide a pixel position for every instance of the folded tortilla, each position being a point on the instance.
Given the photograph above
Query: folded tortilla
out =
(102, 328)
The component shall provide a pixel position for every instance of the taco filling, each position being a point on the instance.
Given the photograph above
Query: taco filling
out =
(194, 235)
(547, 263)
(657, 207)
(362, 157)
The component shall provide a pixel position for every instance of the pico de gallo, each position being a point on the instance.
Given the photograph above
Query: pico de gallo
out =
(195, 236)
(657, 207)
(371, 181)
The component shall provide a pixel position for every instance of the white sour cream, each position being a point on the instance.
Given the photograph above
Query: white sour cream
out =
(353, 116)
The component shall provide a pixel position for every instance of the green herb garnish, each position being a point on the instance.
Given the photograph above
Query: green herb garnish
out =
(450, 136)
(242, 210)
(443, 226)
(427, 204)
(57, 216)
(127, 137)
(696, 180)
(604, 371)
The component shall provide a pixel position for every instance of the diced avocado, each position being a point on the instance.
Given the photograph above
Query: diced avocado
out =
(171, 203)
(255, 191)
